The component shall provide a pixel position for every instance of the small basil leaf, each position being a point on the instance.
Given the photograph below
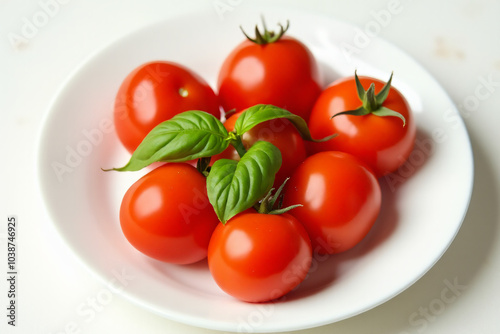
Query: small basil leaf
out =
(266, 112)
(186, 136)
(234, 186)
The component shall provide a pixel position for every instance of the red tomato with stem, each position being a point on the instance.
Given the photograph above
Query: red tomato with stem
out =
(273, 69)
(167, 216)
(279, 132)
(340, 198)
(155, 92)
(259, 257)
(380, 138)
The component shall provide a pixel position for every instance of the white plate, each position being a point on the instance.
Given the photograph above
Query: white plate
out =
(424, 203)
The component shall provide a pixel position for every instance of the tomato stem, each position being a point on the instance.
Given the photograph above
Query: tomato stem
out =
(265, 205)
(268, 36)
(372, 103)
(268, 203)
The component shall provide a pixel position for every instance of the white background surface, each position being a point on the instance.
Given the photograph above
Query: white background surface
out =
(458, 42)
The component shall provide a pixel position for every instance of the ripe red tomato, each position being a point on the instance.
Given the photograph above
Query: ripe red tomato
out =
(282, 73)
(341, 200)
(259, 257)
(167, 216)
(279, 132)
(381, 142)
(155, 92)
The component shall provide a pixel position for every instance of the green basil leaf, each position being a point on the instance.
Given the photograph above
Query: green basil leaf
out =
(265, 112)
(234, 186)
(186, 136)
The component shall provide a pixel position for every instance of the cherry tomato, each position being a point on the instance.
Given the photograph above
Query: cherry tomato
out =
(282, 73)
(167, 216)
(155, 92)
(341, 200)
(259, 257)
(383, 142)
(279, 132)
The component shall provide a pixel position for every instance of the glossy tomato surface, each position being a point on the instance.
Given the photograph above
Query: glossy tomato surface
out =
(283, 73)
(259, 257)
(341, 200)
(155, 92)
(279, 132)
(381, 142)
(167, 216)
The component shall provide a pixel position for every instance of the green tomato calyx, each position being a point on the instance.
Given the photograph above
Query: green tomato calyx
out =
(268, 36)
(268, 203)
(372, 103)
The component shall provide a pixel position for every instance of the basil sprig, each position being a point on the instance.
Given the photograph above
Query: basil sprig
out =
(232, 186)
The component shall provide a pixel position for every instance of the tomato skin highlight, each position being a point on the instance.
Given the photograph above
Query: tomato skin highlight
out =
(155, 92)
(283, 73)
(279, 132)
(381, 142)
(259, 257)
(167, 216)
(341, 200)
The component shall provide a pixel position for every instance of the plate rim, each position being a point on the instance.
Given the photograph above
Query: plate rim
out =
(190, 320)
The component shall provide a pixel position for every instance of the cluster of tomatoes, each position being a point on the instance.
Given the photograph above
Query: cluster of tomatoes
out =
(328, 163)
